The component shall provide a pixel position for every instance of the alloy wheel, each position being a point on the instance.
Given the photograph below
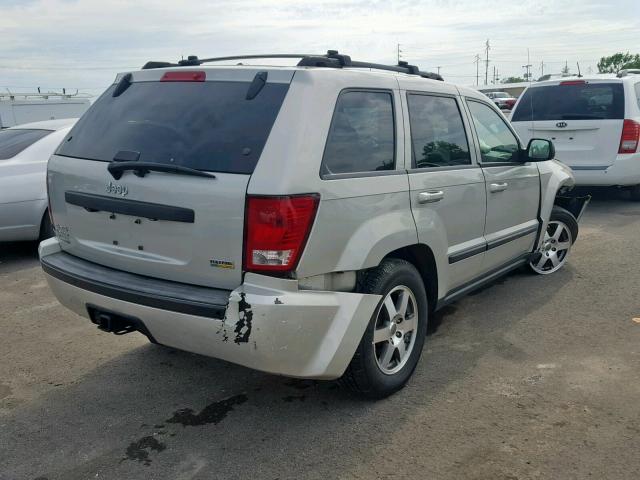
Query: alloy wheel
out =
(395, 329)
(554, 250)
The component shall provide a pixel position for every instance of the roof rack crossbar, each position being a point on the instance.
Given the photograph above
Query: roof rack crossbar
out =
(332, 59)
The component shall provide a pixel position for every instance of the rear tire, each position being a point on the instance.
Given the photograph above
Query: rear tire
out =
(634, 193)
(46, 228)
(561, 234)
(392, 342)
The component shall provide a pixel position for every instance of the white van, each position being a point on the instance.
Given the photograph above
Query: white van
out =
(20, 108)
(594, 123)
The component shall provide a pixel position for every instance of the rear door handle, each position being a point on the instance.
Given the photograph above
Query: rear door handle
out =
(498, 187)
(430, 197)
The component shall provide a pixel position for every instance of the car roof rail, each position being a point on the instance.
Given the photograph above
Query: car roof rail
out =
(628, 71)
(332, 59)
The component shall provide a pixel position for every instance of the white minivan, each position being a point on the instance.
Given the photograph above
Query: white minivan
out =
(594, 123)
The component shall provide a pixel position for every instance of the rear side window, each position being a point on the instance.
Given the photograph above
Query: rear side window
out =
(14, 141)
(437, 132)
(362, 134)
(573, 101)
(203, 125)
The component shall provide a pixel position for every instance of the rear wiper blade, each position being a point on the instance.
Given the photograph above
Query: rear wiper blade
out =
(117, 168)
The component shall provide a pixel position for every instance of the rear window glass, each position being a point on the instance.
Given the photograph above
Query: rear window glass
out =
(588, 101)
(14, 141)
(203, 125)
(362, 134)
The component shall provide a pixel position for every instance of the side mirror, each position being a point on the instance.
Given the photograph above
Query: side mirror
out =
(540, 150)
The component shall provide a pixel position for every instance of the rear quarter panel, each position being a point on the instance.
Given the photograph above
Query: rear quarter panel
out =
(359, 220)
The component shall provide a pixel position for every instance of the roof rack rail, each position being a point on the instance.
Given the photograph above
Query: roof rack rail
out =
(332, 59)
(628, 71)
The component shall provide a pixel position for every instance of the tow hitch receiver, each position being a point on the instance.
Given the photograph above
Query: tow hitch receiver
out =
(117, 323)
(111, 322)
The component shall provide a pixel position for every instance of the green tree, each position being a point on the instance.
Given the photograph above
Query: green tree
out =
(513, 80)
(618, 61)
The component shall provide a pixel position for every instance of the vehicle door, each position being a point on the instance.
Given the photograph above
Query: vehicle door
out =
(448, 198)
(512, 186)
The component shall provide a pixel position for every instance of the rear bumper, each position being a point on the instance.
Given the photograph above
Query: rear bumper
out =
(624, 171)
(266, 324)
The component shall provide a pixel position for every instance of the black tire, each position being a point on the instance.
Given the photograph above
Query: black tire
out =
(558, 214)
(46, 228)
(363, 375)
(634, 193)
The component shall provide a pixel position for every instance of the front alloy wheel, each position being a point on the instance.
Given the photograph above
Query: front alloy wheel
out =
(553, 253)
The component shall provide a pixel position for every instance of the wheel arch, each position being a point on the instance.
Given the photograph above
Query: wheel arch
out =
(555, 178)
(421, 256)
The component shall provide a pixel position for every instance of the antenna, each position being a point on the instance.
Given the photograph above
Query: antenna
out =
(477, 62)
(542, 68)
(399, 53)
(579, 74)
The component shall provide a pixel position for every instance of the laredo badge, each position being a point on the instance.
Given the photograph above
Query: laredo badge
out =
(221, 264)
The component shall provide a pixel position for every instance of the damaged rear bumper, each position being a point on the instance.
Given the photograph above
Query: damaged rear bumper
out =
(267, 323)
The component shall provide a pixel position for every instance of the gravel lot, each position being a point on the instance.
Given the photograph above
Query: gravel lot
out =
(533, 377)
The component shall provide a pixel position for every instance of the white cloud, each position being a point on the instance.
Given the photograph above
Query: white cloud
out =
(84, 43)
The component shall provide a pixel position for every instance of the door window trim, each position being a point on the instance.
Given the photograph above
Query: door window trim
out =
(474, 163)
(477, 138)
(364, 174)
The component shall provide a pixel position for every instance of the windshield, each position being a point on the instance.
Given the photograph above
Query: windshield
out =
(501, 95)
(207, 126)
(575, 101)
(14, 141)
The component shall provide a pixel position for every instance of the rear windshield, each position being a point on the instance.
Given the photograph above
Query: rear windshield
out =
(14, 141)
(584, 101)
(203, 125)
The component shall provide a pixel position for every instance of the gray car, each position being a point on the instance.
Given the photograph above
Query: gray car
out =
(24, 152)
(305, 221)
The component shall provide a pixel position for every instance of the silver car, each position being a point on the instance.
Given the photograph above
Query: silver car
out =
(24, 152)
(305, 221)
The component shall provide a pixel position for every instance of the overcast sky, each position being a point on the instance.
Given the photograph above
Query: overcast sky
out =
(82, 44)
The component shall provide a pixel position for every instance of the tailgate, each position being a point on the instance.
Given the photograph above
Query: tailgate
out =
(589, 143)
(168, 225)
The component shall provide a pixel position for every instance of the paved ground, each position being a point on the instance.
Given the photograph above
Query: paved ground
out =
(534, 377)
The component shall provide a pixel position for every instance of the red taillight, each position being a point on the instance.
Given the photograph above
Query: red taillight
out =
(573, 82)
(630, 137)
(184, 76)
(276, 230)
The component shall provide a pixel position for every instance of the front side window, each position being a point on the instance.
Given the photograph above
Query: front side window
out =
(14, 141)
(438, 137)
(498, 144)
(362, 134)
